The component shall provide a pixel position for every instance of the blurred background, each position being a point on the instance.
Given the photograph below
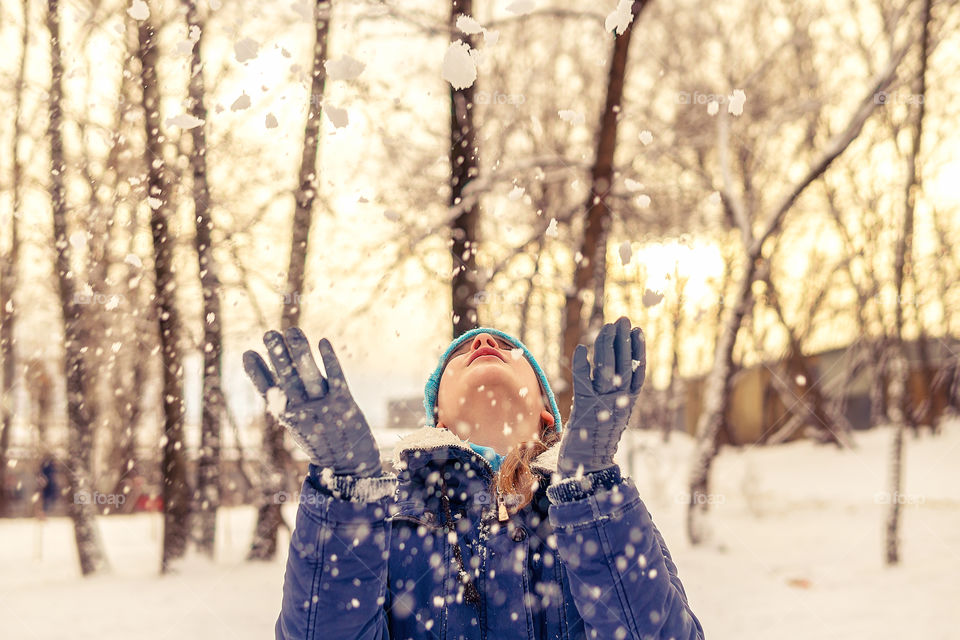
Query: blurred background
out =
(766, 188)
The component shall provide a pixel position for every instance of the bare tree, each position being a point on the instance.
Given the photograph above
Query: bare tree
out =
(176, 489)
(590, 271)
(675, 385)
(8, 274)
(269, 518)
(82, 509)
(718, 385)
(208, 466)
(464, 229)
(901, 370)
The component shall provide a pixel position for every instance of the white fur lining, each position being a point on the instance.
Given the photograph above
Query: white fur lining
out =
(547, 461)
(427, 438)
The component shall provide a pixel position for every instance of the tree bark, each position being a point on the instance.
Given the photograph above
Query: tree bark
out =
(465, 228)
(8, 278)
(80, 445)
(208, 467)
(590, 273)
(269, 518)
(176, 489)
(717, 393)
(899, 377)
(675, 385)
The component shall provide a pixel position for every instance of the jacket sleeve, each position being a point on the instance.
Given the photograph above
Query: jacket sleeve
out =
(623, 580)
(335, 581)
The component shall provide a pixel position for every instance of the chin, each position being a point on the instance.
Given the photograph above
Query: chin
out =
(493, 375)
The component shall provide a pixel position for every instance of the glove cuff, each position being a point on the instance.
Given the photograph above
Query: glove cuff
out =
(352, 488)
(573, 489)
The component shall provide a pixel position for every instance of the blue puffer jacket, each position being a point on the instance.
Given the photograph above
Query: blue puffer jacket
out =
(584, 559)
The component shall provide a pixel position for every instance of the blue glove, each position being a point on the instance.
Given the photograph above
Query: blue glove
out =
(603, 401)
(320, 413)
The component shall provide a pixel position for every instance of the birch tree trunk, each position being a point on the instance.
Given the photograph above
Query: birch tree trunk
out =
(901, 370)
(717, 393)
(80, 443)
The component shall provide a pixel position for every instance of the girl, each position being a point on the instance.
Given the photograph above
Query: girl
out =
(494, 526)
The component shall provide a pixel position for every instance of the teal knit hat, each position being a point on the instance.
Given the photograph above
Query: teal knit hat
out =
(433, 383)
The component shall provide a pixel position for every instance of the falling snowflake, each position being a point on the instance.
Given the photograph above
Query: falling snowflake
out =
(633, 185)
(646, 137)
(620, 18)
(713, 107)
(78, 240)
(459, 65)
(515, 194)
(246, 49)
(344, 68)
(735, 105)
(139, 10)
(276, 401)
(303, 8)
(468, 25)
(338, 117)
(625, 253)
(573, 117)
(520, 7)
(551, 231)
(241, 103)
(643, 200)
(714, 198)
(651, 298)
(184, 121)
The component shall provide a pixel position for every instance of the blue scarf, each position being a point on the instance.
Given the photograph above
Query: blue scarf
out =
(489, 455)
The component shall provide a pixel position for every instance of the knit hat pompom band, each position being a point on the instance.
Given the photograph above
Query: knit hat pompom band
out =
(433, 383)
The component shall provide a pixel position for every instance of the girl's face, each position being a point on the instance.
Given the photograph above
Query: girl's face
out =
(490, 394)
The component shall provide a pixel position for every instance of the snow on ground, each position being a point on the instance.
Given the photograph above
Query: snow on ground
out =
(797, 553)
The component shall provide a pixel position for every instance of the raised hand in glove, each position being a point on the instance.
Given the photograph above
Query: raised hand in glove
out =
(603, 397)
(319, 412)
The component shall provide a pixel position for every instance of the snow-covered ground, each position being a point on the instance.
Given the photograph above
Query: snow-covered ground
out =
(797, 553)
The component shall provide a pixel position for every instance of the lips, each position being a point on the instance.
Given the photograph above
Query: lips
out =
(485, 351)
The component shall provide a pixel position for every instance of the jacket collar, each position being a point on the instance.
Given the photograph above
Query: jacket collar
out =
(428, 439)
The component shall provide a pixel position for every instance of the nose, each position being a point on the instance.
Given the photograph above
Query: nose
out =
(483, 340)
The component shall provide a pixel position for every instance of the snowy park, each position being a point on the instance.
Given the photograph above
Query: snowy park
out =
(422, 319)
(795, 554)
